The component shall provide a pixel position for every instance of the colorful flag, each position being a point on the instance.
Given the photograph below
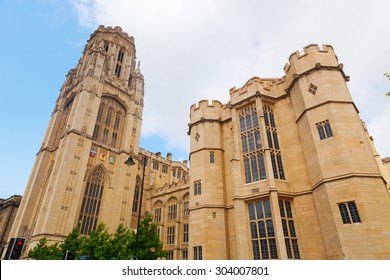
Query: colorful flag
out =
(92, 153)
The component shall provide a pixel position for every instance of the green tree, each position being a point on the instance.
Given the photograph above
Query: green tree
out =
(149, 243)
(72, 244)
(387, 75)
(43, 252)
(101, 245)
(96, 244)
(121, 244)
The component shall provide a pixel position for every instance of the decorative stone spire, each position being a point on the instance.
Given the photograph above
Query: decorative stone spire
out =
(138, 70)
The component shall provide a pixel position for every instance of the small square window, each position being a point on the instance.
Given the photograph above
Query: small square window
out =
(349, 212)
(197, 187)
(155, 165)
(212, 158)
(165, 169)
(198, 253)
(324, 129)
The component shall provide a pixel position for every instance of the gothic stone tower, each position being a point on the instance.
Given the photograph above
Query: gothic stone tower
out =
(79, 176)
(286, 170)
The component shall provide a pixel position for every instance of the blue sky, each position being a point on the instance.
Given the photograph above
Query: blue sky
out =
(189, 50)
(38, 49)
(41, 42)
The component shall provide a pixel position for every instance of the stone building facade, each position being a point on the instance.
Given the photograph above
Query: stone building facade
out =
(78, 178)
(287, 169)
(167, 199)
(384, 165)
(284, 170)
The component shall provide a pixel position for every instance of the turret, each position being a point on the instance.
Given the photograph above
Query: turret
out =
(337, 152)
(207, 185)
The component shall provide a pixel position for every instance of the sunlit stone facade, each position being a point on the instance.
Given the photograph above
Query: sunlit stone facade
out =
(288, 170)
(285, 170)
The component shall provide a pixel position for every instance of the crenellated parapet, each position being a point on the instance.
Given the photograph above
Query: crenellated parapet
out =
(206, 104)
(158, 157)
(113, 30)
(311, 58)
(206, 110)
(268, 87)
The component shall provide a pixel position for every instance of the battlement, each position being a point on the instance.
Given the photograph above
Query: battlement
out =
(310, 58)
(324, 53)
(110, 29)
(267, 86)
(311, 49)
(158, 157)
(206, 104)
(205, 110)
(151, 155)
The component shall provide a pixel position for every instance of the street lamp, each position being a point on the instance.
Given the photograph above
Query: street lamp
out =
(130, 161)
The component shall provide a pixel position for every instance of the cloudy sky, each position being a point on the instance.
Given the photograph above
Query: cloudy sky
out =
(189, 50)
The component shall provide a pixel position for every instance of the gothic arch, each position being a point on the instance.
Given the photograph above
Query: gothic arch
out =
(172, 199)
(92, 199)
(185, 197)
(116, 99)
(110, 122)
(105, 171)
(137, 193)
(68, 101)
(158, 203)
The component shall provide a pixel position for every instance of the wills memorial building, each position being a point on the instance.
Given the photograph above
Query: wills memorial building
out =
(285, 170)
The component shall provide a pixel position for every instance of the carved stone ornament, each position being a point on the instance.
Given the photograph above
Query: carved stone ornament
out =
(197, 136)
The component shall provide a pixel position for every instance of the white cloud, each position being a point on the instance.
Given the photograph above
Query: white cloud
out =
(193, 50)
(86, 10)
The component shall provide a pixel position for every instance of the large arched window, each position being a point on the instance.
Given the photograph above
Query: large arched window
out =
(186, 215)
(172, 209)
(137, 192)
(252, 147)
(186, 208)
(92, 199)
(263, 239)
(109, 123)
(273, 142)
(157, 211)
(118, 66)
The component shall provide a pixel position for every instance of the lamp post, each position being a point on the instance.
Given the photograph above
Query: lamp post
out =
(130, 161)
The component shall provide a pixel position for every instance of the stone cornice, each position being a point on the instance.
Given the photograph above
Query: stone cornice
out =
(317, 67)
(346, 176)
(206, 149)
(216, 206)
(262, 96)
(323, 103)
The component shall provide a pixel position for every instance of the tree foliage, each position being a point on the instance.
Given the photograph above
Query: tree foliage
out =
(149, 243)
(101, 245)
(43, 252)
(387, 75)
